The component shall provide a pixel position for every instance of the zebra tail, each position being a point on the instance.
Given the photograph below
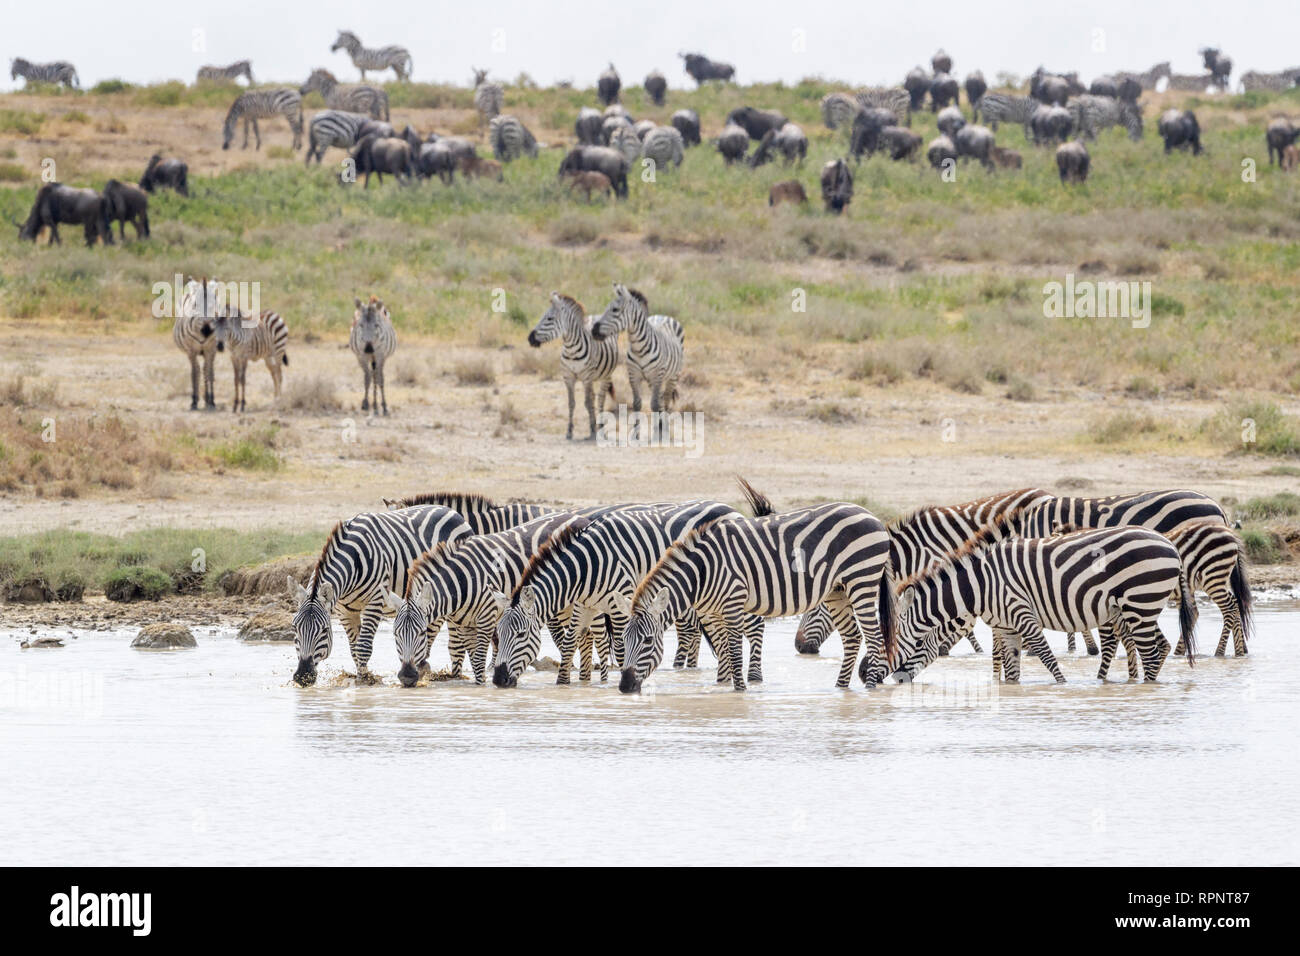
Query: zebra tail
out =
(285, 358)
(888, 619)
(1241, 594)
(1187, 617)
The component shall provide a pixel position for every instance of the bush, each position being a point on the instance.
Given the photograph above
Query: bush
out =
(111, 86)
(1282, 505)
(136, 584)
(1263, 547)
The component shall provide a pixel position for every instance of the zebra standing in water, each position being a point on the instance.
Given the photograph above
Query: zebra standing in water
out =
(397, 58)
(341, 129)
(484, 515)
(773, 566)
(372, 341)
(1071, 582)
(363, 558)
(489, 97)
(242, 68)
(60, 71)
(655, 349)
(510, 139)
(1092, 114)
(259, 104)
(195, 334)
(1004, 108)
(353, 99)
(264, 337)
(583, 357)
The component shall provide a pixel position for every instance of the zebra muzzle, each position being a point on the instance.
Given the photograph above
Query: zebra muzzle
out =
(408, 675)
(629, 683)
(305, 675)
(501, 676)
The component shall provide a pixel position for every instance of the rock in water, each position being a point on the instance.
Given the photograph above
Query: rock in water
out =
(164, 637)
(546, 664)
(267, 626)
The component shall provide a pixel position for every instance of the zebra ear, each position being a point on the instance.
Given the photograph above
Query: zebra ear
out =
(326, 593)
(296, 590)
(357, 301)
(502, 600)
(555, 297)
(388, 503)
(423, 595)
(528, 598)
(659, 603)
(622, 602)
(392, 600)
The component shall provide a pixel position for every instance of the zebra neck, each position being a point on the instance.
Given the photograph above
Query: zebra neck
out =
(573, 330)
(638, 331)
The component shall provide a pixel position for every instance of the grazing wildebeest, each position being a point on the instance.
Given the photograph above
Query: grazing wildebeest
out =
(917, 84)
(655, 87)
(609, 125)
(789, 191)
(1072, 162)
(732, 143)
(588, 127)
(837, 185)
(165, 173)
(600, 159)
(950, 120)
(701, 68)
(941, 62)
(591, 182)
(384, 154)
(476, 167)
(975, 90)
(56, 203)
(1049, 88)
(436, 159)
(789, 141)
(125, 203)
(1128, 90)
(643, 127)
(1006, 158)
(1180, 130)
(975, 142)
(899, 142)
(608, 85)
(1281, 134)
(867, 124)
(756, 122)
(1051, 124)
(687, 122)
(941, 152)
(943, 90)
(1104, 86)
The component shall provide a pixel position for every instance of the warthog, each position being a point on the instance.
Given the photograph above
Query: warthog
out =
(165, 174)
(837, 185)
(1072, 162)
(1005, 158)
(476, 167)
(1180, 130)
(789, 191)
(56, 203)
(125, 203)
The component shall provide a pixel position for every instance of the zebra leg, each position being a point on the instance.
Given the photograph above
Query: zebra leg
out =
(365, 392)
(688, 640)
(970, 636)
(209, 380)
(569, 383)
(370, 617)
(1109, 642)
(275, 369)
(456, 640)
(1045, 655)
(1227, 605)
(1151, 644)
(565, 638)
(194, 382)
(634, 380)
(381, 390)
(352, 628)
(257, 131)
(586, 644)
(589, 399)
(1069, 642)
(754, 632)
(656, 410)
(1009, 658)
(735, 639)
(1089, 643)
(478, 656)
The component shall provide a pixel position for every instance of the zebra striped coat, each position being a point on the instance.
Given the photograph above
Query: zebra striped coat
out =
(583, 358)
(372, 341)
(242, 68)
(341, 129)
(60, 71)
(893, 98)
(489, 97)
(655, 346)
(195, 334)
(1092, 114)
(510, 139)
(260, 338)
(1004, 108)
(396, 58)
(350, 98)
(484, 515)
(259, 104)
(838, 110)
(363, 559)
(1272, 82)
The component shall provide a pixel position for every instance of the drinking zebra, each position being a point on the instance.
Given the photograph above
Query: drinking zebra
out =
(60, 71)
(372, 341)
(510, 139)
(395, 57)
(259, 104)
(363, 559)
(1071, 582)
(489, 97)
(341, 129)
(1005, 108)
(195, 334)
(583, 358)
(773, 566)
(253, 338)
(242, 68)
(484, 515)
(1092, 114)
(353, 99)
(655, 348)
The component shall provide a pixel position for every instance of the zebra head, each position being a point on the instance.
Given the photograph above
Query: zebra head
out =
(203, 300)
(410, 626)
(480, 76)
(347, 40)
(643, 639)
(320, 80)
(814, 628)
(552, 323)
(922, 630)
(623, 310)
(519, 634)
(368, 320)
(17, 67)
(312, 635)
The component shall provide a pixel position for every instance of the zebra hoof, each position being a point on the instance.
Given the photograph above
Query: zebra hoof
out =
(1093, 651)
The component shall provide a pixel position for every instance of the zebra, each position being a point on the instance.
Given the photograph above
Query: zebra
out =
(489, 97)
(893, 98)
(195, 334)
(580, 568)
(263, 337)
(338, 128)
(1151, 78)
(583, 357)
(60, 71)
(1005, 108)
(1070, 582)
(838, 110)
(362, 557)
(773, 566)
(372, 341)
(655, 348)
(242, 68)
(395, 57)
(1271, 82)
(259, 104)
(353, 99)
(484, 515)
(664, 145)
(510, 139)
(1190, 82)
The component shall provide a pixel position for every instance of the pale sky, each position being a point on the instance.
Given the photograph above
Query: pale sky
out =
(859, 41)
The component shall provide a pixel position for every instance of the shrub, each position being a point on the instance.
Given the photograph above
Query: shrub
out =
(136, 584)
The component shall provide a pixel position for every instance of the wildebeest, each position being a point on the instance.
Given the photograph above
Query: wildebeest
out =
(1281, 134)
(1072, 162)
(701, 68)
(950, 120)
(56, 203)
(476, 167)
(1005, 158)
(917, 84)
(1051, 124)
(789, 141)
(1049, 88)
(609, 124)
(655, 87)
(867, 124)
(624, 139)
(943, 90)
(789, 191)
(125, 203)
(899, 142)
(591, 181)
(975, 90)
(383, 154)
(732, 143)
(600, 159)
(1220, 66)
(643, 127)
(756, 122)
(1180, 130)
(165, 173)
(941, 152)
(1104, 86)
(608, 86)
(1128, 90)
(975, 142)
(588, 127)
(941, 62)
(436, 159)
(687, 122)
(837, 185)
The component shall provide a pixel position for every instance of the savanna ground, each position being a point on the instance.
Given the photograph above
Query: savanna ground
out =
(922, 369)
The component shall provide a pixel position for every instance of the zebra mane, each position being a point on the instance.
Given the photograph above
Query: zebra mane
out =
(1000, 519)
(439, 552)
(552, 545)
(571, 301)
(455, 500)
(640, 297)
(670, 553)
(324, 553)
(759, 504)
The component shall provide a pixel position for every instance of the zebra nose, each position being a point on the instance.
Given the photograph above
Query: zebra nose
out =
(408, 675)
(806, 646)
(629, 683)
(305, 675)
(501, 676)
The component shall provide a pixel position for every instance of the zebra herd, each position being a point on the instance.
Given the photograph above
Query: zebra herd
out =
(608, 581)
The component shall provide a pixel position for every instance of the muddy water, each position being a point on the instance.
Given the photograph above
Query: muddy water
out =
(113, 755)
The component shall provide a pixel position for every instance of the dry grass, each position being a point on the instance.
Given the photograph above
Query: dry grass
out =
(474, 371)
